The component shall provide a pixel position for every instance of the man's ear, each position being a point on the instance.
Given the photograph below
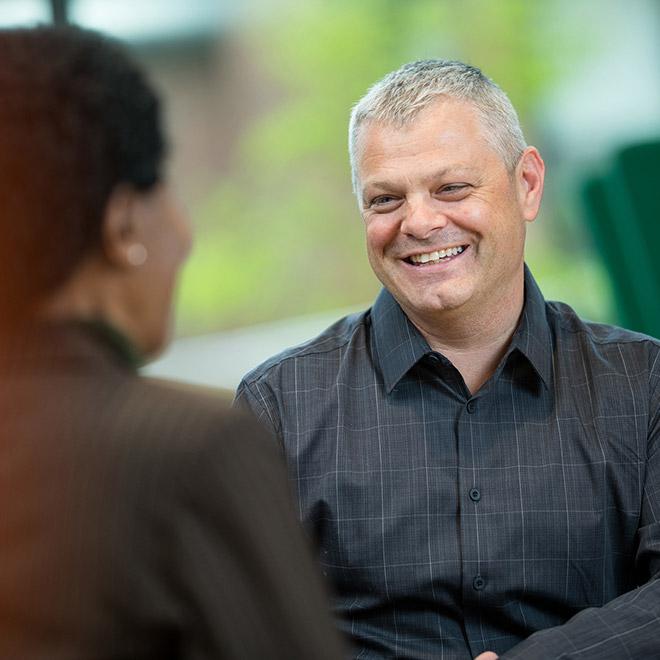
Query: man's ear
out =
(530, 175)
(121, 238)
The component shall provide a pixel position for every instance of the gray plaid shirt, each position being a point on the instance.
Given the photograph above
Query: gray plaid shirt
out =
(449, 524)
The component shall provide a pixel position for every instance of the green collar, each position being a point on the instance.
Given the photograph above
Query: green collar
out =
(116, 340)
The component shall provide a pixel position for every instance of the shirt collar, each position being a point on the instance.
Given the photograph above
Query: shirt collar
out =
(399, 345)
(533, 337)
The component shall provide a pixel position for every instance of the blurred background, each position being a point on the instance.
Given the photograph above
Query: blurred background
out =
(258, 94)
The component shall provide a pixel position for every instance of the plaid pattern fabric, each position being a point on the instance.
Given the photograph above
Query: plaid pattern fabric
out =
(449, 524)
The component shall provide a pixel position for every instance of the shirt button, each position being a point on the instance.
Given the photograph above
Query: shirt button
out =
(471, 405)
(475, 495)
(478, 583)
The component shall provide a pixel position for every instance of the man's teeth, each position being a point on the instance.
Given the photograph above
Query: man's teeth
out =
(436, 256)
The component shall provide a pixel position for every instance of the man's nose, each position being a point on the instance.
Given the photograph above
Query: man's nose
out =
(422, 218)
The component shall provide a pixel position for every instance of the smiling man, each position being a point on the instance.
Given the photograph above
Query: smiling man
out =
(479, 468)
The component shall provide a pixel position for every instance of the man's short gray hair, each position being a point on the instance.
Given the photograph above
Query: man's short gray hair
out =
(401, 95)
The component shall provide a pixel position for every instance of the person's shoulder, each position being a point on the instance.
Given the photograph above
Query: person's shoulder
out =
(330, 342)
(182, 395)
(202, 439)
(182, 420)
(598, 335)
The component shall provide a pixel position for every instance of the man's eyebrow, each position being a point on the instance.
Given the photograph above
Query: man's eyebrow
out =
(380, 185)
(454, 170)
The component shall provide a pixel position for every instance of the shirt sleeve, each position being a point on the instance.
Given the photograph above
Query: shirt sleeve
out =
(257, 400)
(249, 580)
(628, 626)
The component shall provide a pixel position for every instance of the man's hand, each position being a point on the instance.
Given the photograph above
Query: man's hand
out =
(487, 655)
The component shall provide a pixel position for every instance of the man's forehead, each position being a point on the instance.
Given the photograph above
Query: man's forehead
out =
(438, 110)
(436, 145)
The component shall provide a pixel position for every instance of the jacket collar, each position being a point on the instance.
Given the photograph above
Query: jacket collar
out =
(66, 342)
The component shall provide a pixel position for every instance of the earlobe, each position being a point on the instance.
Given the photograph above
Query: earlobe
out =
(136, 254)
(531, 177)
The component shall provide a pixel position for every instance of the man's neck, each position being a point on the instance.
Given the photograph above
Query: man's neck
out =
(476, 341)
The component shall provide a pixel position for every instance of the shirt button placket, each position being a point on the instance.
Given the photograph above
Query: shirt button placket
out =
(473, 580)
(474, 493)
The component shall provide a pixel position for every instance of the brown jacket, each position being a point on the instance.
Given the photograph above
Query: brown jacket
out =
(139, 519)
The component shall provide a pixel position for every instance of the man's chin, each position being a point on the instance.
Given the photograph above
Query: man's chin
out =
(429, 306)
(435, 299)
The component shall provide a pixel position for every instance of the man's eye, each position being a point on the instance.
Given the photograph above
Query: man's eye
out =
(382, 200)
(453, 188)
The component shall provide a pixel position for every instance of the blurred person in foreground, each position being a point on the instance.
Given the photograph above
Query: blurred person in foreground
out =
(138, 519)
(480, 468)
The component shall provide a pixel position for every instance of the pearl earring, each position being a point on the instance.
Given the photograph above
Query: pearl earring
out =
(137, 254)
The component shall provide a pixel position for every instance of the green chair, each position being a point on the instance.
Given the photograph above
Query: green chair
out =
(623, 213)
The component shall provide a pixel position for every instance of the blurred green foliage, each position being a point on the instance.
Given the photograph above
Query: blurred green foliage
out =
(282, 235)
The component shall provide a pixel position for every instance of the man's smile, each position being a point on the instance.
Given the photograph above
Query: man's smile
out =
(436, 257)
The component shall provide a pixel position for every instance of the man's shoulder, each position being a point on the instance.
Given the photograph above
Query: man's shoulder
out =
(598, 336)
(323, 348)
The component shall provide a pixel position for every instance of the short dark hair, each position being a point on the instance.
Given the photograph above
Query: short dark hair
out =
(77, 118)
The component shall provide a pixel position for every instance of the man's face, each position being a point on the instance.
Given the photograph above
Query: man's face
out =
(445, 220)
